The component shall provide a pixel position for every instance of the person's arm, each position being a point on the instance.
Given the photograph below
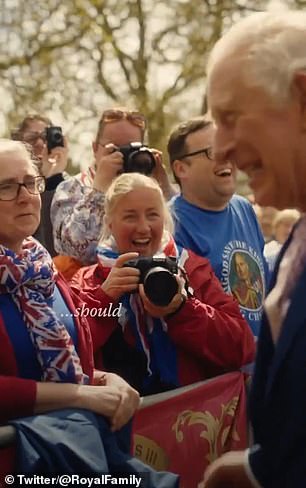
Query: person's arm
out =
(161, 175)
(77, 216)
(101, 327)
(87, 287)
(215, 332)
(53, 164)
(209, 325)
(103, 400)
(228, 470)
(12, 390)
(100, 293)
(130, 398)
(259, 467)
(113, 399)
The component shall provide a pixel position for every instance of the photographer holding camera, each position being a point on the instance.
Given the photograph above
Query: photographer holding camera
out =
(147, 324)
(49, 150)
(78, 206)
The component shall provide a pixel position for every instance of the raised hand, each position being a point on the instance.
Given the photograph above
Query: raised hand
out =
(109, 163)
(121, 280)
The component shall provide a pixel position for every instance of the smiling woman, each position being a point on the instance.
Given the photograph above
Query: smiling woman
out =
(165, 336)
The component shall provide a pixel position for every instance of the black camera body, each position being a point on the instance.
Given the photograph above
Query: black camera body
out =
(137, 158)
(158, 277)
(54, 137)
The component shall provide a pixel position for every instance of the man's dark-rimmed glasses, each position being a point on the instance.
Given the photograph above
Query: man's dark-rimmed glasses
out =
(206, 150)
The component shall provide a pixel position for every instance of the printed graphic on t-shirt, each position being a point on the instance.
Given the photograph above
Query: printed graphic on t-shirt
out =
(243, 277)
(245, 281)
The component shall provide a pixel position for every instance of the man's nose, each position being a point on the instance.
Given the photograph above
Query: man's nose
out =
(223, 145)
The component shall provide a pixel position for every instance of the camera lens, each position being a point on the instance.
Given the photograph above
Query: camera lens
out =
(57, 136)
(141, 161)
(160, 286)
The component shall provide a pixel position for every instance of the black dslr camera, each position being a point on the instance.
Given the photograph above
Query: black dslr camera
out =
(157, 276)
(137, 158)
(54, 137)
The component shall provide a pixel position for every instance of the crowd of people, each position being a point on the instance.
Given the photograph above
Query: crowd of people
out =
(183, 282)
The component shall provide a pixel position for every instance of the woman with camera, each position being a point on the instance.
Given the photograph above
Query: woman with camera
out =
(49, 148)
(78, 205)
(165, 336)
(46, 361)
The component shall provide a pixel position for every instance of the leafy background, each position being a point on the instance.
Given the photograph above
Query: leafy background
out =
(71, 59)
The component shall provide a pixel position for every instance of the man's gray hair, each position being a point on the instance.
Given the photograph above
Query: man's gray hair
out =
(271, 47)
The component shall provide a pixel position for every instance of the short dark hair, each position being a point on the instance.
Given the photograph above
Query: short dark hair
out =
(16, 134)
(177, 140)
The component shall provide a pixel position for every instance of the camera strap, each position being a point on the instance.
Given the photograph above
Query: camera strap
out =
(187, 290)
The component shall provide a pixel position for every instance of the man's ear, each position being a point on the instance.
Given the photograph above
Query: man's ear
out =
(180, 169)
(300, 87)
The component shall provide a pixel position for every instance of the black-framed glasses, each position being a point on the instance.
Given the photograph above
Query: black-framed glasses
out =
(206, 150)
(10, 191)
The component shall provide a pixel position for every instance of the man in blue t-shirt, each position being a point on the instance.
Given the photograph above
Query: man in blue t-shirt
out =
(213, 222)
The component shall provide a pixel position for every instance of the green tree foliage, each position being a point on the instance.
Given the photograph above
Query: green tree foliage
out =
(79, 56)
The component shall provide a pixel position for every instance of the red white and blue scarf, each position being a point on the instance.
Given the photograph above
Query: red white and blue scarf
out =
(150, 333)
(29, 279)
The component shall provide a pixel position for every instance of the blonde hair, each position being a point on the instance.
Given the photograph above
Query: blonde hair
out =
(124, 184)
(7, 146)
(271, 47)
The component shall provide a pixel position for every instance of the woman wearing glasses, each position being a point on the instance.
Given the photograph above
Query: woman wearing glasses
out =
(78, 205)
(157, 339)
(32, 131)
(46, 362)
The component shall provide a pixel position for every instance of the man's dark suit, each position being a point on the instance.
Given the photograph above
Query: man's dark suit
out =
(278, 397)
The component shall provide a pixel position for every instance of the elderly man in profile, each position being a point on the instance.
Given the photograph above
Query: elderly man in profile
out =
(257, 95)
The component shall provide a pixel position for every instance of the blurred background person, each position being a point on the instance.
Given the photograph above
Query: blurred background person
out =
(210, 219)
(282, 226)
(51, 163)
(78, 205)
(266, 216)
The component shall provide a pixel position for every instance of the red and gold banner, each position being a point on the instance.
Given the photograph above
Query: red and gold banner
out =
(186, 429)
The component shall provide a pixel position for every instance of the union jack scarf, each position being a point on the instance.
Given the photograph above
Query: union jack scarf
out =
(150, 333)
(29, 278)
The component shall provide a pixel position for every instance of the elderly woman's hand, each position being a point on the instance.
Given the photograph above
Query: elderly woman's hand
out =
(103, 400)
(129, 400)
(172, 307)
(121, 280)
(129, 397)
